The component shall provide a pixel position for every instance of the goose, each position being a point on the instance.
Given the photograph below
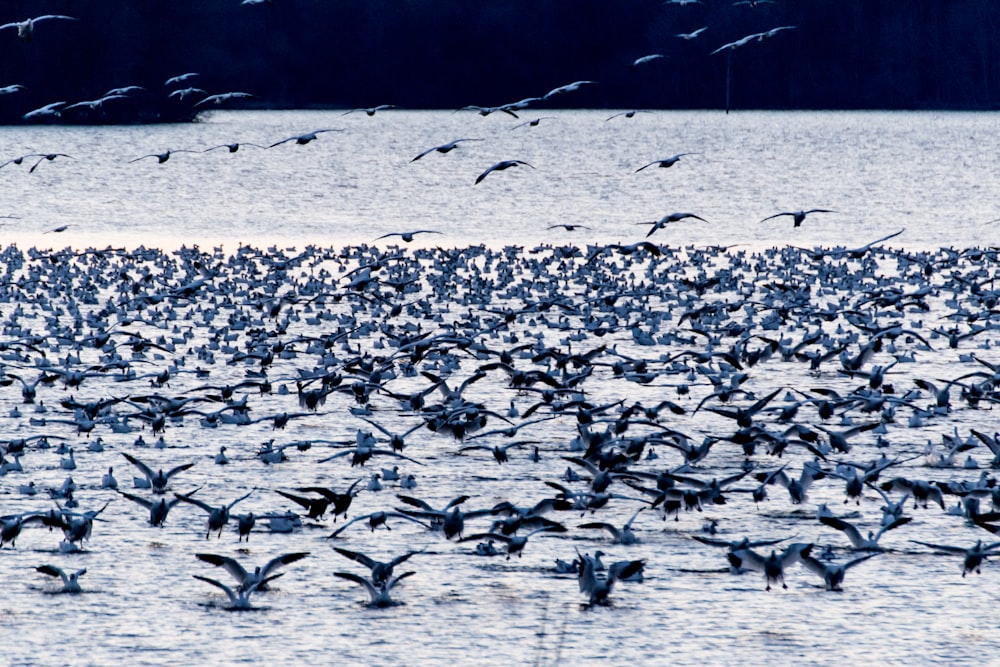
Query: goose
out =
(666, 220)
(370, 111)
(94, 105)
(233, 147)
(860, 542)
(260, 575)
(26, 28)
(568, 88)
(158, 509)
(218, 517)
(623, 535)
(162, 157)
(974, 556)
(798, 217)
(443, 148)
(158, 480)
(303, 139)
(647, 59)
(378, 595)
(500, 166)
(223, 97)
(180, 78)
(688, 36)
(407, 237)
(376, 519)
(833, 575)
(664, 163)
(11, 89)
(70, 582)
(534, 122)
(381, 572)
(239, 599)
(515, 543)
(773, 566)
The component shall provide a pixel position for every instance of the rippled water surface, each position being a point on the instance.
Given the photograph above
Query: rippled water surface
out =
(932, 175)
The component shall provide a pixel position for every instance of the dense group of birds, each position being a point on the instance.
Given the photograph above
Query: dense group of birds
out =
(642, 385)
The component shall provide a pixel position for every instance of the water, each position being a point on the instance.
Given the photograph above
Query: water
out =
(930, 174)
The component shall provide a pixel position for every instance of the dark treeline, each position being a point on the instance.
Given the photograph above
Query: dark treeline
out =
(842, 54)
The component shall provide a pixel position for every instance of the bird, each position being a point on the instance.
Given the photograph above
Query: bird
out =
(93, 105)
(223, 97)
(48, 157)
(218, 517)
(647, 59)
(773, 566)
(157, 480)
(798, 216)
(181, 93)
(26, 28)
(378, 595)
(667, 219)
(625, 114)
(500, 166)
(71, 581)
(162, 157)
(832, 574)
(534, 122)
(860, 542)
(623, 535)
(239, 599)
(515, 543)
(665, 162)
(260, 575)
(974, 556)
(407, 237)
(381, 572)
(180, 78)
(370, 111)
(50, 110)
(11, 89)
(568, 88)
(233, 147)
(158, 509)
(443, 148)
(688, 36)
(303, 139)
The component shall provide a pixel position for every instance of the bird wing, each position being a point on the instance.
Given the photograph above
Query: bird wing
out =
(194, 501)
(183, 466)
(350, 576)
(279, 561)
(357, 557)
(776, 215)
(52, 571)
(148, 504)
(146, 470)
(229, 592)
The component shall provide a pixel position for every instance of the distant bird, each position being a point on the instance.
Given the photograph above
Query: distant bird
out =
(798, 216)
(13, 88)
(181, 93)
(688, 36)
(533, 122)
(124, 90)
(667, 219)
(443, 148)
(71, 582)
(624, 114)
(48, 157)
(93, 105)
(407, 237)
(223, 97)
(380, 572)
(753, 3)
(500, 166)
(568, 88)
(371, 111)
(156, 480)
(233, 147)
(26, 28)
(647, 59)
(568, 227)
(665, 162)
(162, 157)
(180, 78)
(303, 139)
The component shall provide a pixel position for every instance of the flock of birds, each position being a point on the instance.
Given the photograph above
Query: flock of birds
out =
(183, 88)
(640, 385)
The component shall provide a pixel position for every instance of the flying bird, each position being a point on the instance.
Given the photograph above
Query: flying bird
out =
(71, 581)
(371, 111)
(647, 59)
(568, 88)
(303, 139)
(664, 163)
(408, 236)
(798, 216)
(180, 78)
(443, 148)
(162, 157)
(688, 36)
(223, 97)
(667, 219)
(26, 28)
(500, 166)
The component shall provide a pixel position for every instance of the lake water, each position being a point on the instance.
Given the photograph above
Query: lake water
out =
(932, 175)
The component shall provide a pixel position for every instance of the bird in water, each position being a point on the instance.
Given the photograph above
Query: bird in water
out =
(378, 594)
(260, 575)
(70, 581)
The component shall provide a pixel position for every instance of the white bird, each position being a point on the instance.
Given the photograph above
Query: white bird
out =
(772, 566)
(443, 148)
(860, 542)
(157, 480)
(180, 78)
(244, 578)
(691, 35)
(218, 517)
(568, 88)
(500, 166)
(407, 237)
(49, 110)
(239, 599)
(26, 28)
(181, 93)
(302, 139)
(71, 582)
(832, 574)
(93, 105)
(378, 595)
(223, 97)
(623, 535)
(647, 59)
(667, 219)
(380, 572)
(11, 89)
(371, 111)
(798, 216)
